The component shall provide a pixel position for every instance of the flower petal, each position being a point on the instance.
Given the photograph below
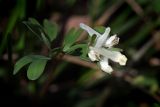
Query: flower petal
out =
(92, 55)
(122, 59)
(101, 40)
(105, 66)
(111, 41)
(89, 30)
(113, 55)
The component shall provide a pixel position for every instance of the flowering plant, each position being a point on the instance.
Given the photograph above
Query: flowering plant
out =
(100, 48)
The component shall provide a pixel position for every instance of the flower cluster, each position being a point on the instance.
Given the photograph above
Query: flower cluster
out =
(102, 51)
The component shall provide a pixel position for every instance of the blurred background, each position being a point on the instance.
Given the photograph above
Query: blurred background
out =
(71, 81)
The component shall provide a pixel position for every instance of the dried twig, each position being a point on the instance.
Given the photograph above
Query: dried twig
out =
(143, 50)
(77, 60)
(136, 7)
(108, 13)
(145, 47)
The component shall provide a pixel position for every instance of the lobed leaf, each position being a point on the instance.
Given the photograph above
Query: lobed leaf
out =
(21, 63)
(36, 68)
(70, 38)
(51, 29)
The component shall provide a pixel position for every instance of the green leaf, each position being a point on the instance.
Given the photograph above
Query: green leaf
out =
(70, 38)
(26, 60)
(34, 57)
(84, 51)
(38, 30)
(20, 63)
(51, 29)
(72, 48)
(35, 29)
(36, 68)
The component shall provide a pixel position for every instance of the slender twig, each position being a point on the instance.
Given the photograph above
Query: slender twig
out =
(77, 60)
(145, 47)
(143, 50)
(136, 7)
(108, 13)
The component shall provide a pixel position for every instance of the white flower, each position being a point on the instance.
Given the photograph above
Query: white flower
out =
(101, 50)
(93, 55)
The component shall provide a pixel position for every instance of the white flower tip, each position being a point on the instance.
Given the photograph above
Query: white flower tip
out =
(108, 28)
(122, 60)
(88, 29)
(85, 27)
(105, 67)
(82, 25)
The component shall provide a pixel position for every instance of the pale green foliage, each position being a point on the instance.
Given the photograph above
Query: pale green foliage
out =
(36, 68)
(51, 29)
(21, 63)
(70, 39)
(47, 33)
